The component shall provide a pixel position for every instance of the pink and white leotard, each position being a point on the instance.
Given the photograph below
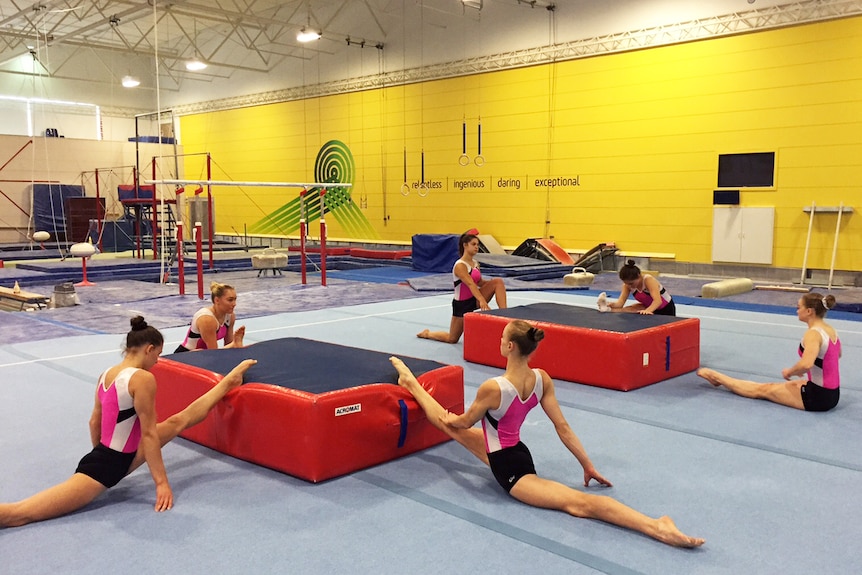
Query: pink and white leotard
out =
(502, 426)
(462, 292)
(121, 428)
(825, 371)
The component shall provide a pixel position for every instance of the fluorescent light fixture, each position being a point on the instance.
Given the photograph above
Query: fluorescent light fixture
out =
(195, 65)
(130, 82)
(308, 35)
(28, 103)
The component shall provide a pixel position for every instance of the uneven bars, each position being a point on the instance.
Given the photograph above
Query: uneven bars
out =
(251, 184)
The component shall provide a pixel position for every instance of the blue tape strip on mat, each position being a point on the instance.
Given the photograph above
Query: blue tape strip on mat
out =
(403, 436)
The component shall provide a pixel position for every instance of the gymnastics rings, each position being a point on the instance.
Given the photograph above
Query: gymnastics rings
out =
(464, 159)
(423, 187)
(479, 160)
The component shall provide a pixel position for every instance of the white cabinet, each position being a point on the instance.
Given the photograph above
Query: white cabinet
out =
(742, 235)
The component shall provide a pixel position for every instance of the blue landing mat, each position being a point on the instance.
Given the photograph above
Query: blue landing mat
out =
(738, 472)
(381, 274)
(37, 254)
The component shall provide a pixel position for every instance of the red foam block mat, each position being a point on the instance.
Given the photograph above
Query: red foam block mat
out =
(313, 436)
(619, 351)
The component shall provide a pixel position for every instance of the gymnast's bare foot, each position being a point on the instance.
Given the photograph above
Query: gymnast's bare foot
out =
(667, 532)
(234, 377)
(238, 334)
(424, 334)
(711, 376)
(602, 302)
(405, 377)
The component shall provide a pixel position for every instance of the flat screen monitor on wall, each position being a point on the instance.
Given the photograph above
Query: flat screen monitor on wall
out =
(756, 170)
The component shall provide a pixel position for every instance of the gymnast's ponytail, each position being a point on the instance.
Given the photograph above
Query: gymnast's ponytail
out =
(143, 334)
(818, 302)
(525, 336)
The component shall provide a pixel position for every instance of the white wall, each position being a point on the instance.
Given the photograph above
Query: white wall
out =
(67, 161)
(23, 117)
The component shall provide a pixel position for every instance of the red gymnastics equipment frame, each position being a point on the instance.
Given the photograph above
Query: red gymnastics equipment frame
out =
(179, 191)
(303, 224)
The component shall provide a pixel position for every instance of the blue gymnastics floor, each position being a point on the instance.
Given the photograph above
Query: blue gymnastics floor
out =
(772, 490)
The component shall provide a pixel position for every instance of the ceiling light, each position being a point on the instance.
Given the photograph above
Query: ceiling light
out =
(130, 82)
(308, 35)
(195, 65)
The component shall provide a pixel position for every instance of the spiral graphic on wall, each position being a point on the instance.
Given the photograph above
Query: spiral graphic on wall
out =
(334, 164)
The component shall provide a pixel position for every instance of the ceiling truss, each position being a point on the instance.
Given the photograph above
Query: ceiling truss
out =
(737, 23)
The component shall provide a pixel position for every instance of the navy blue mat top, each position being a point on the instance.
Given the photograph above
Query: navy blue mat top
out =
(306, 365)
(577, 316)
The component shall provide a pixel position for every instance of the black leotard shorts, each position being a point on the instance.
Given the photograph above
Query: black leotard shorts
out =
(818, 398)
(460, 307)
(106, 465)
(510, 464)
(669, 309)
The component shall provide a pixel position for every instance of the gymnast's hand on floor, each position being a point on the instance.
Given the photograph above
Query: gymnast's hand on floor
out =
(591, 473)
(164, 497)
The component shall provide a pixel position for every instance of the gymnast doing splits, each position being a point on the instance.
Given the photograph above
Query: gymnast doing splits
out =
(502, 404)
(124, 432)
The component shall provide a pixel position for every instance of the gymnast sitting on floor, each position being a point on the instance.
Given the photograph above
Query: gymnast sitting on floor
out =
(124, 432)
(819, 353)
(210, 324)
(502, 404)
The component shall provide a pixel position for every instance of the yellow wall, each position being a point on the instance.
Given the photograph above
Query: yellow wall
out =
(639, 131)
